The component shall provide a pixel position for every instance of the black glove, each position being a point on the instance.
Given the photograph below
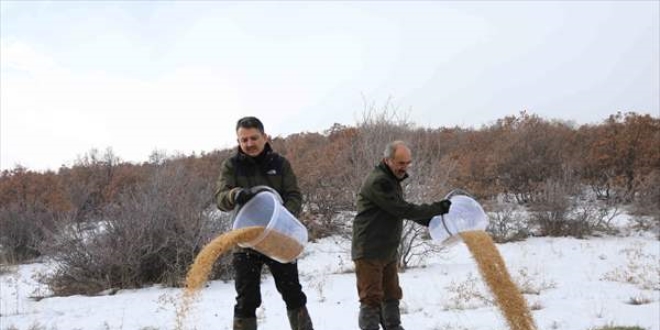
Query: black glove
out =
(444, 206)
(424, 222)
(243, 195)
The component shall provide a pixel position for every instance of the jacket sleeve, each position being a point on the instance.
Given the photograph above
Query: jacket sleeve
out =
(423, 221)
(226, 187)
(382, 192)
(291, 194)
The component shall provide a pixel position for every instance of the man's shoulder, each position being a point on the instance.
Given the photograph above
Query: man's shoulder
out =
(377, 178)
(232, 159)
(277, 158)
(378, 174)
(274, 154)
(383, 183)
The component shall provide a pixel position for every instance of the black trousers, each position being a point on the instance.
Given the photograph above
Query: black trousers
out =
(247, 279)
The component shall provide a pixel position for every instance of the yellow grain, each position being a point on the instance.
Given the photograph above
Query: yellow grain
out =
(493, 269)
(274, 245)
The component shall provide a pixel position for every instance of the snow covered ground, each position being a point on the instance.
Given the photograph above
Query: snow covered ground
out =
(570, 284)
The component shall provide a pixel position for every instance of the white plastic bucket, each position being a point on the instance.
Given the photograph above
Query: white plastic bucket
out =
(465, 214)
(283, 238)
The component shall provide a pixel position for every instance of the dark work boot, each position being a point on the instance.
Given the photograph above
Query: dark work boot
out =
(391, 316)
(299, 319)
(245, 323)
(369, 317)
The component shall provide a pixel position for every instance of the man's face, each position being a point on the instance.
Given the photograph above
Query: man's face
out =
(400, 162)
(251, 140)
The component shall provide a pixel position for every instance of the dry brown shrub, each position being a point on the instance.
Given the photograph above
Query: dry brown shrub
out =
(493, 270)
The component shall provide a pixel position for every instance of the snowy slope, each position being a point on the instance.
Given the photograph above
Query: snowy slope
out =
(573, 284)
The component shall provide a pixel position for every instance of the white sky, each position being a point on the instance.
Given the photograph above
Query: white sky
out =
(175, 76)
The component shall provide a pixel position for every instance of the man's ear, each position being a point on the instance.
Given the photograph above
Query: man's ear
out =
(267, 137)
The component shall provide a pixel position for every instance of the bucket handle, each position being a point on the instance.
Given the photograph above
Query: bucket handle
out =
(459, 192)
(442, 220)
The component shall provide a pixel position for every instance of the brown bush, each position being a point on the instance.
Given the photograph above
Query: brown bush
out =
(150, 234)
(507, 224)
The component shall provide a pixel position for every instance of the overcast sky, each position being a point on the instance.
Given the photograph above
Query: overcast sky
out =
(175, 76)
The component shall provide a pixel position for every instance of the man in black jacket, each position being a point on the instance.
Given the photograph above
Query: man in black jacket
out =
(377, 230)
(256, 164)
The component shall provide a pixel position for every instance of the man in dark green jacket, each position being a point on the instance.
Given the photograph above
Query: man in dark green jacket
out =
(256, 164)
(377, 230)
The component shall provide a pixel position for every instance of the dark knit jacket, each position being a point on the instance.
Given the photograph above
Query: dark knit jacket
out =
(268, 169)
(381, 209)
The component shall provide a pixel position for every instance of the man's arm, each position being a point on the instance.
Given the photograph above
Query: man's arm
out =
(291, 194)
(382, 192)
(226, 189)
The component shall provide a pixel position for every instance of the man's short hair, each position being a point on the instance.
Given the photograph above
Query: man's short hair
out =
(250, 122)
(391, 148)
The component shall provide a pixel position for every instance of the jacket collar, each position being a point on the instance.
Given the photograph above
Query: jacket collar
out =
(259, 158)
(383, 167)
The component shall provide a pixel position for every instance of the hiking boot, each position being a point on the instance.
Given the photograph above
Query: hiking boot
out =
(299, 319)
(245, 323)
(369, 317)
(391, 316)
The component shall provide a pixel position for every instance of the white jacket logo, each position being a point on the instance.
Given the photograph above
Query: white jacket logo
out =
(271, 172)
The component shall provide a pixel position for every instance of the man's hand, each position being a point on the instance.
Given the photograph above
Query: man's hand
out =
(444, 206)
(424, 222)
(243, 195)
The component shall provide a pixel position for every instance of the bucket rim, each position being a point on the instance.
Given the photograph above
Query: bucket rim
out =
(444, 226)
